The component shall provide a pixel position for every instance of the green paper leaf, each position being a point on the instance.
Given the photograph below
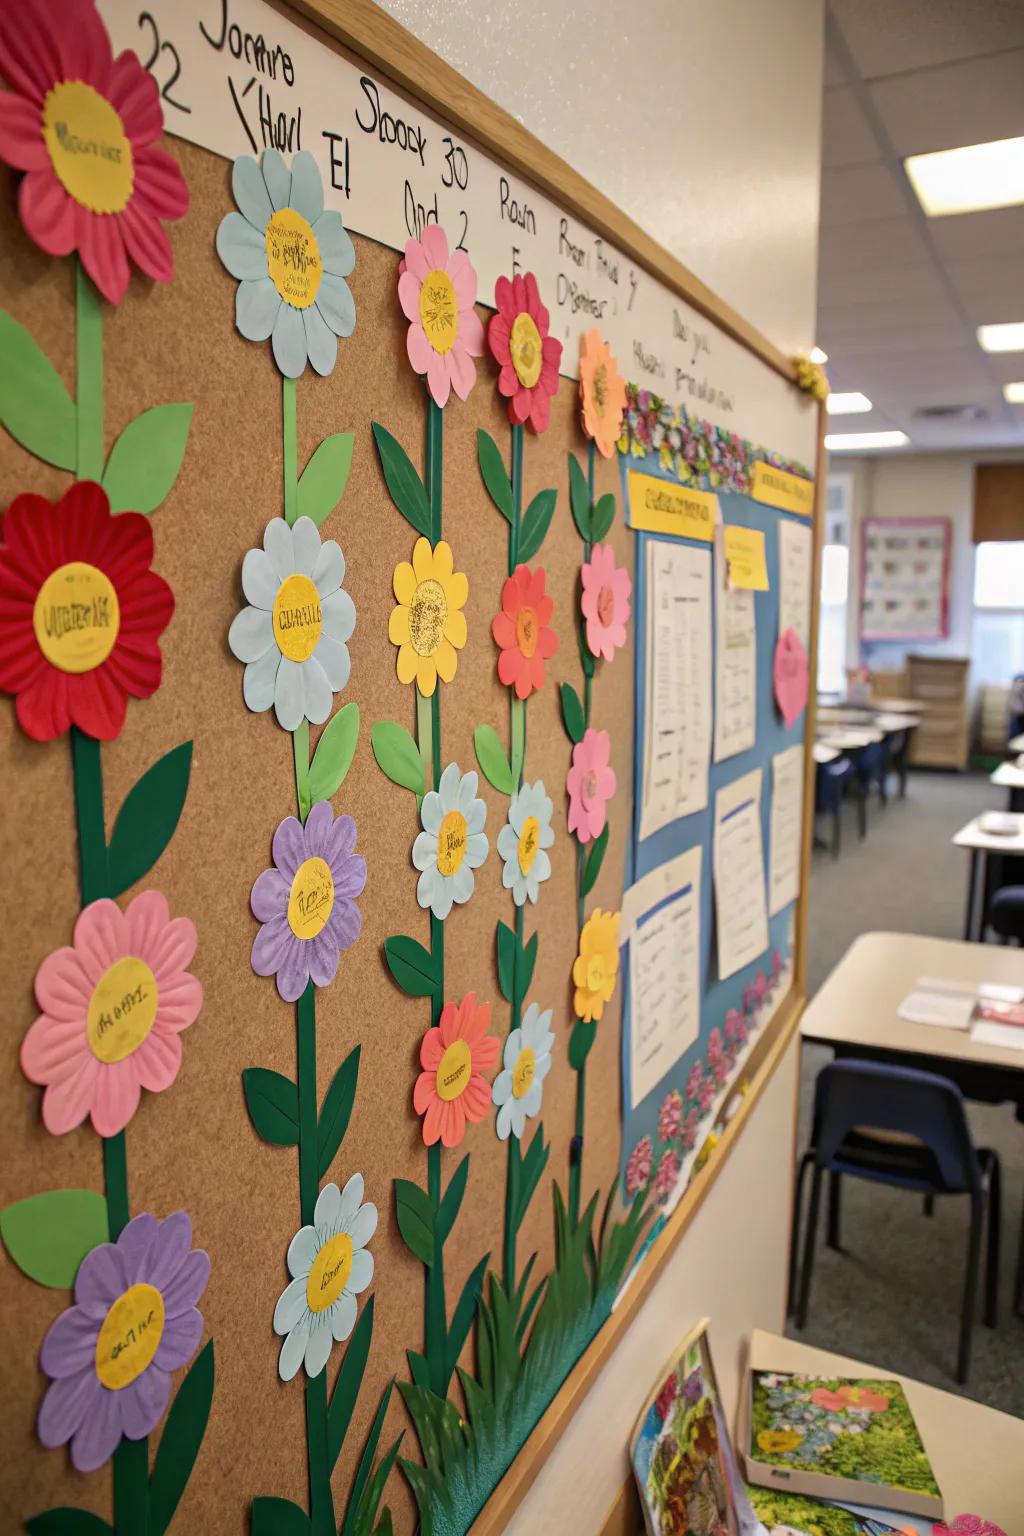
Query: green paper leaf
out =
(530, 1169)
(49, 1235)
(594, 860)
(452, 1200)
(322, 482)
(350, 1379)
(490, 754)
(527, 961)
(580, 1042)
(279, 1517)
(506, 961)
(180, 1441)
(146, 821)
(536, 522)
(273, 1105)
(67, 1522)
(334, 753)
(402, 480)
(336, 1111)
(397, 755)
(411, 965)
(384, 1526)
(415, 1220)
(579, 499)
(572, 713)
(35, 407)
(365, 1463)
(604, 516)
(373, 1492)
(495, 475)
(145, 461)
(419, 1369)
(465, 1311)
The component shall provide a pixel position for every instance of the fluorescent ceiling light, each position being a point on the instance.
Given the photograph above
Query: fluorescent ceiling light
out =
(1014, 393)
(818, 356)
(849, 442)
(964, 180)
(1002, 338)
(852, 404)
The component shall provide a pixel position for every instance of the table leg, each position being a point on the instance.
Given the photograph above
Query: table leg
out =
(972, 883)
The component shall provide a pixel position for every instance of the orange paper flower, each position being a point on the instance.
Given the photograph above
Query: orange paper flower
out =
(452, 1089)
(602, 393)
(522, 631)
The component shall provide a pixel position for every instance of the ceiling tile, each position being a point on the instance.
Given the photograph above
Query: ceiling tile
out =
(990, 288)
(879, 283)
(883, 242)
(858, 193)
(998, 231)
(889, 36)
(847, 138)
(966, 103)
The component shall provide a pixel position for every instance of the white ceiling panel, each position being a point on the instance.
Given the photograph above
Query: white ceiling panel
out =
(882, 242)
(968, 103)
(991, 288)
(889, 37)
(998, 231)
(846, 136)
(879, 283)
(858, 193)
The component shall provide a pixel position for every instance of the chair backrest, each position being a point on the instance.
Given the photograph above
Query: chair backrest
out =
(869, 1094)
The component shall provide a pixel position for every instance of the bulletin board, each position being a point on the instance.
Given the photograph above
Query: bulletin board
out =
(905, 578)
(303, 1265)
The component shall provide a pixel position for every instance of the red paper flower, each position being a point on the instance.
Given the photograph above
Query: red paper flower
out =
(82, 125)
(527, 355)
(80, 612)
(522, 631)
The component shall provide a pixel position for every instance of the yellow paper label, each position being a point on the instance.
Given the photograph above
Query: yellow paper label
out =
(522, 1072)
(130, 1336)
(524, 344)
(76, 617)
(529, 843)
(298, 618)
(453, 1071)
(428, 614)
(655, 506)
(745, 558)
(451, 843)
(778, 489)
(293, 258)
(88, 146)
(527, 631)
(439, 311)
(329, 1273)
(311, 899)
(122, 1010)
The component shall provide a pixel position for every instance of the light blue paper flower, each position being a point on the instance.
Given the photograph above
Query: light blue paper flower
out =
(522, 842)
(452, 844)
(291, 258)
(526, 1062)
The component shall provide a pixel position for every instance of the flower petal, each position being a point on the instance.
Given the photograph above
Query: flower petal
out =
(241, 248)
(251, 634)
(307, 194)
(250, 191)
(335, 302)
(321, 342)
(289, 694)
(256, 309)
(289, 344)
(336, 249)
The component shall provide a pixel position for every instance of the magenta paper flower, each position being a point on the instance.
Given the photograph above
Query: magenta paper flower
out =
(749, 998)
(605, 601)
(306, 904)
(670, 1116)
(714, 1047)
(590, 784)
(706, 1094)
(667, 1175)
(760, 986)
(776, 964)
(437, 291)
(968, 1525)
(111, 1355)
(694, 1081)
(113, 1007)
(689, 1136)
(638, 1169)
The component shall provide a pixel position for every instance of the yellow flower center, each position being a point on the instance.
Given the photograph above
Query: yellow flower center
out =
(329, 1272)
(522, 1072)
(596, 973)
(439, 311)
(311, 898)
(529, 843)
(601, 388)
(298, 618)
(122, 1010)
(527, 631)
(453, 1071)
(88, 146)
(293, 258)
(524, 344)
(130, 1336)
(451, 842)
(76, 617)
(428, 614)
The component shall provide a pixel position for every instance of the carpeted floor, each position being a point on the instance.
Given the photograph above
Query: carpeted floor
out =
(893, 1297)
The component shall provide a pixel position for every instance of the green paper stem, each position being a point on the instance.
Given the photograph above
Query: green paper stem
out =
(434, 467)
(87, 771)
(300, 753)
(321, 1503)
(425, 736)
(517, 498)
(512, 1176)
(436, 1310)
(291, 451)
(89, 378)
(517, 714)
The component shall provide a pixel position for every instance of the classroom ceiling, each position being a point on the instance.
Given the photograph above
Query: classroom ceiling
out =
(900, 295)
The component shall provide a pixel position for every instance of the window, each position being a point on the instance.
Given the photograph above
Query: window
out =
(999, 575)
(835, 582)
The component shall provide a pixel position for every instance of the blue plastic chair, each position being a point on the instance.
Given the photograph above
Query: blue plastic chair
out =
(829, 784)
(871, 767)
(854, 1099)
(1006, 913)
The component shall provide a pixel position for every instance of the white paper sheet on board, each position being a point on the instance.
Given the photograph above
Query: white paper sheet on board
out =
(795, 579)
(677, 690)
(784, 828)
(738, 860)
(735, 663)
(664, 978)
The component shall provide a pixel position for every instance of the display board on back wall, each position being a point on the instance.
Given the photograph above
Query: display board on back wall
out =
(319, 602)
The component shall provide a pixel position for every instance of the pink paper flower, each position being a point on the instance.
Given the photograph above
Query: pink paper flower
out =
(733, 1022)
(968, 1525)
(437, 291)
(638, 1169)
(667, 1174)
(590, 784)
(722, 1070)
(694, 1081)
(714, 1047)
(776, 964)
(689, 1136)
(760, 986)
(707, 1093)
(526, 354)
(670, 1116)
(114, 1006)
(749, 998)
(605, 601)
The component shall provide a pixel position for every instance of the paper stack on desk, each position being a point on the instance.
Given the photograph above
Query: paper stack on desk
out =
(993, 1013)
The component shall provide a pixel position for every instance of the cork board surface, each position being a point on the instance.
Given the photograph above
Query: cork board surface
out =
(193, 1147)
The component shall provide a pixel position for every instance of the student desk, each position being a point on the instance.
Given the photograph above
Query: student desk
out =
(981, 845)
(977, 1453)
(1010, 776)
(1016, 743)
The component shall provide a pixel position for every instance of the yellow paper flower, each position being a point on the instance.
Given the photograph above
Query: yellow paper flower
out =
(596, 966)
(428, 625)
(602, 392)
(811, 378)
(778, 1441)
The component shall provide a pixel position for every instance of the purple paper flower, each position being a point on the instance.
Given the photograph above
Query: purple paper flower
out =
(134, 1322)
(306, 904)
